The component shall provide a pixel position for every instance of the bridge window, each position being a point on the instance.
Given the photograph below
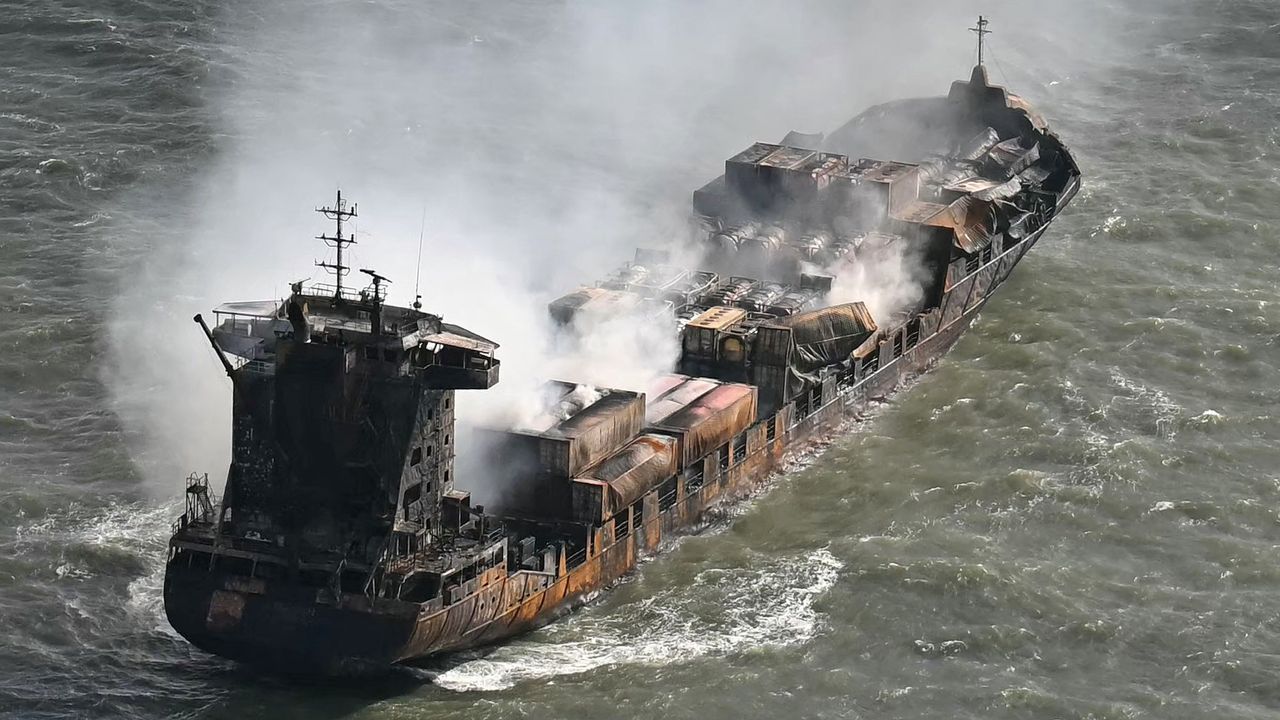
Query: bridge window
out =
(416, 456)
(412, 494)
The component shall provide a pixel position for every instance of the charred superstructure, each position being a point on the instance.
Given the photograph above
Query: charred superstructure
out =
(341, 539)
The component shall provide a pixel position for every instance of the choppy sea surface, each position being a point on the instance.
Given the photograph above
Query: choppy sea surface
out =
(1075, 515)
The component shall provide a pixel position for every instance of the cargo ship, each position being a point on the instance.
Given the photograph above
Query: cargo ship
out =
(343, 541)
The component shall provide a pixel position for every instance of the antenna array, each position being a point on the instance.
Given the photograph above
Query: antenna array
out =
(982, 32)
(337, 213)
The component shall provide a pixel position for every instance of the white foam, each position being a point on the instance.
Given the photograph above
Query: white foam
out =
(139, 529)
(723, 611)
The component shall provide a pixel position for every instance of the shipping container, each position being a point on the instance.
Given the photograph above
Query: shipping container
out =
(827, 336)
(741, 170)
(776, 386)
(592, 302)
(624, 477)
(772, 345)
(663, 385)
(537, 462)
(702, 334)
(711, 421)
(565, 308)
(665, 404)
(591, 434)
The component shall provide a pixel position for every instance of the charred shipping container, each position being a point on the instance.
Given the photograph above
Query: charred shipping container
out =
(541, 459)
(342, 539)
(711, 420)
(627, 476)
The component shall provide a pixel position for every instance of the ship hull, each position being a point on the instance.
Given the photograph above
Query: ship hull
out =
(289, 630)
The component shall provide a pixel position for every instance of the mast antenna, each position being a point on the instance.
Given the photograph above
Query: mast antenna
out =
(422, 229)
(982, 32)
(337, 213)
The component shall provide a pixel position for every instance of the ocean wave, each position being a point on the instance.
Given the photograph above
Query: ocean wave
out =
(123, 538)
(721, 612)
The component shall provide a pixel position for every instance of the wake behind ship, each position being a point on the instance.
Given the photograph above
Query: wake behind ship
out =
(342, 540)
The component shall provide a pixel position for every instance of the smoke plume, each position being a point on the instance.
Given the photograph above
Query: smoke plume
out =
(542, 142)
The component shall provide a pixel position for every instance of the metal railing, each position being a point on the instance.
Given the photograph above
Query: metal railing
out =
(326, 290)
(259, 367)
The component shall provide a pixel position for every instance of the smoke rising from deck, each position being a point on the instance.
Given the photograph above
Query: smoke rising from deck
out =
(543, 142)
(889, 280)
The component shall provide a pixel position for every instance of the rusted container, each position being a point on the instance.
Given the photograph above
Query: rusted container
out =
(539, 461)
(772, 345)
(663, 385)
(624, 477)
(702, 334)
(563, 309)
(590, 501)
(592, 301)
(741, 170)
(665, 404)
(592, 434)
(710, 421)
(777, 385)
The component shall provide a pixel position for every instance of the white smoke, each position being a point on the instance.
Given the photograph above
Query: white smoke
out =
(889, 279)
(543, 142)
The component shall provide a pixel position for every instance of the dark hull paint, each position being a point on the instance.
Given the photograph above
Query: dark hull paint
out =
(285, 629)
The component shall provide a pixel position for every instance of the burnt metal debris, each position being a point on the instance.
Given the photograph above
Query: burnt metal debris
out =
(342, 540)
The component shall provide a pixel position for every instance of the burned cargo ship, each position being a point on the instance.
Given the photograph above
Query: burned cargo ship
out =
(343, 540)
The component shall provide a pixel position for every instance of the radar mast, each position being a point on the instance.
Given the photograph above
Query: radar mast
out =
(337, 213)
(981, 31)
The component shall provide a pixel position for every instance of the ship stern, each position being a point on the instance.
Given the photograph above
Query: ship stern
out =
(283, 627)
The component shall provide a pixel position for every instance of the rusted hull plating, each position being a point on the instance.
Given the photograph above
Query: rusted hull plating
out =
(250, 621)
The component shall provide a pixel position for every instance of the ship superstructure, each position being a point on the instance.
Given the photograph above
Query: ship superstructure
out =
(342, 539)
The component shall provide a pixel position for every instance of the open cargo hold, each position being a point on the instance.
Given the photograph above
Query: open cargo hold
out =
(711, 420)
(624, 477)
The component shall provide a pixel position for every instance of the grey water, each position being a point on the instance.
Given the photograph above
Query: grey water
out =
(1073, 516)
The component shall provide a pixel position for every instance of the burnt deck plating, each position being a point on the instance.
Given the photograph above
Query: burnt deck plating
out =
(341, 541)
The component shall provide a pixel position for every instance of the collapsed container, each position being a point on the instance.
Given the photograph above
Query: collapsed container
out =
(624, 477)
